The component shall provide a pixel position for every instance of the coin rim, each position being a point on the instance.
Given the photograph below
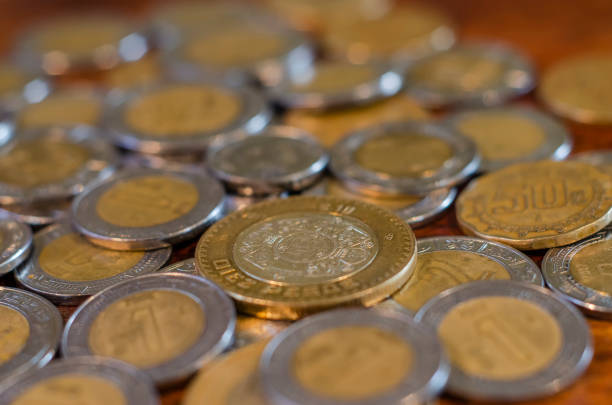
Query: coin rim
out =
(16, 244)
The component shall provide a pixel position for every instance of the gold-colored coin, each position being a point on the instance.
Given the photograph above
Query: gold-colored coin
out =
(537, 205)
(286, 258)
(12, 79)
(592, 265)
(141, 329)
(141, 73)
(500, 338)
(62, 110)
(14, 333)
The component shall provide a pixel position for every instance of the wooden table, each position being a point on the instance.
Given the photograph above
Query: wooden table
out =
(545, 30)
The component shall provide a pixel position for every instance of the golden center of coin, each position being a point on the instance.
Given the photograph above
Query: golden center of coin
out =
(14, 333)
(592, 266)
(500, 338)
(71, 257)
(182, 111)
(72, 389)
(502, 135)
(41, 162)
(335, 77)
(147, 328)
(147, 201)
(60, 111)
(352, 362)
(404, 155)
(305, 248)
(11, 79)
(440, 270)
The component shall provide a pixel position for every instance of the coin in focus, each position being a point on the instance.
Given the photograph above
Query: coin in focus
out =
(15, 244)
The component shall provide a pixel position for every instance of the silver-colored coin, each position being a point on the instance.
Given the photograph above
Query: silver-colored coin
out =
(37, 214)
(579, 273)
(66, 268)
(234, 202)
(548, 137)
(36, 324)
(281, 158)
(600, 158)
(15, 244)
(473, 74)
(132, 385)
(191, 116)
(335, 84)
(421, 382)
(432, 156)
(144, 209)
(219, 320)
(184, 266)
(574, 354)
(59, 163)
(250, 329)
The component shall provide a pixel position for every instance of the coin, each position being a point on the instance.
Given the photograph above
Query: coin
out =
(411, 158)
(508, 135)
(474, 74)
(81, 380)
(234, 202)
(537, 205)
(444, 262)
(283, 259)
(354, 355)
(508, 340)
(138, 74)
(602, 159)
(37, 214)
(31, 330)
(250, 329)
(334, 84)
(185, 117)
(15, 244)
(142, 209)
(136, 322)
(53, 164)
(66, 268)
(281, 158)
(174, 161)
(186, 266)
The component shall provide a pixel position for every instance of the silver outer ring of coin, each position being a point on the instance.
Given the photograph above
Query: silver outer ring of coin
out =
(101, 164)
(208, 209)
(595, 157)
(45, 324)
(235, 202)
(385, 82)
(136, 387)
(38, 214)
(557, 144)
(245, 185)
(15, 244)
(463, 163)
(32, 276)
(519, 79)
(428, 377)
(556, 270)
(186, 266)
(575, 355)
(219, 313)
(255, 115)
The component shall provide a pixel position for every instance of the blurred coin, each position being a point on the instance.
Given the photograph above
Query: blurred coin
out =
(146, 209)
(37, 214)
(537, 205)
(174, 161)
(444, 262)
(321, 360)
(510, 135)
(137, 321)
(31, 330)
(235, 202)
(602, 159)
(474, 74)
(184, 266)
(15, 244)
(66, 268)
(508, 340)
(404, 158)
(142, 73)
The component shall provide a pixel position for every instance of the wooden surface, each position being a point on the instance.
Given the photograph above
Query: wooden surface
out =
(546, 31)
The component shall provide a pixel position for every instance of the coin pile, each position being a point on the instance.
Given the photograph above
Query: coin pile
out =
(296, 142)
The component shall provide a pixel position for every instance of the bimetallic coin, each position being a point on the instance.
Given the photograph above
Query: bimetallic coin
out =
(279, 159)
(142, 209)
(447, 261)
(537, 205)
(285, 258)
(508, 340)
(66, 268)
(184, 266)
(137, 321)
(31, 330)
(602, 159)
(15, 244)
(509, 135)
(410, 158)
(53, 164)
(81, 380)
(37, 214)
(185, 117)
(476, 74)
(355, 356)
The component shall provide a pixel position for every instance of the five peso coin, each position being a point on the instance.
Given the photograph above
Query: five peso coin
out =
(508, 340)
(15, 244)
(286, 258)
